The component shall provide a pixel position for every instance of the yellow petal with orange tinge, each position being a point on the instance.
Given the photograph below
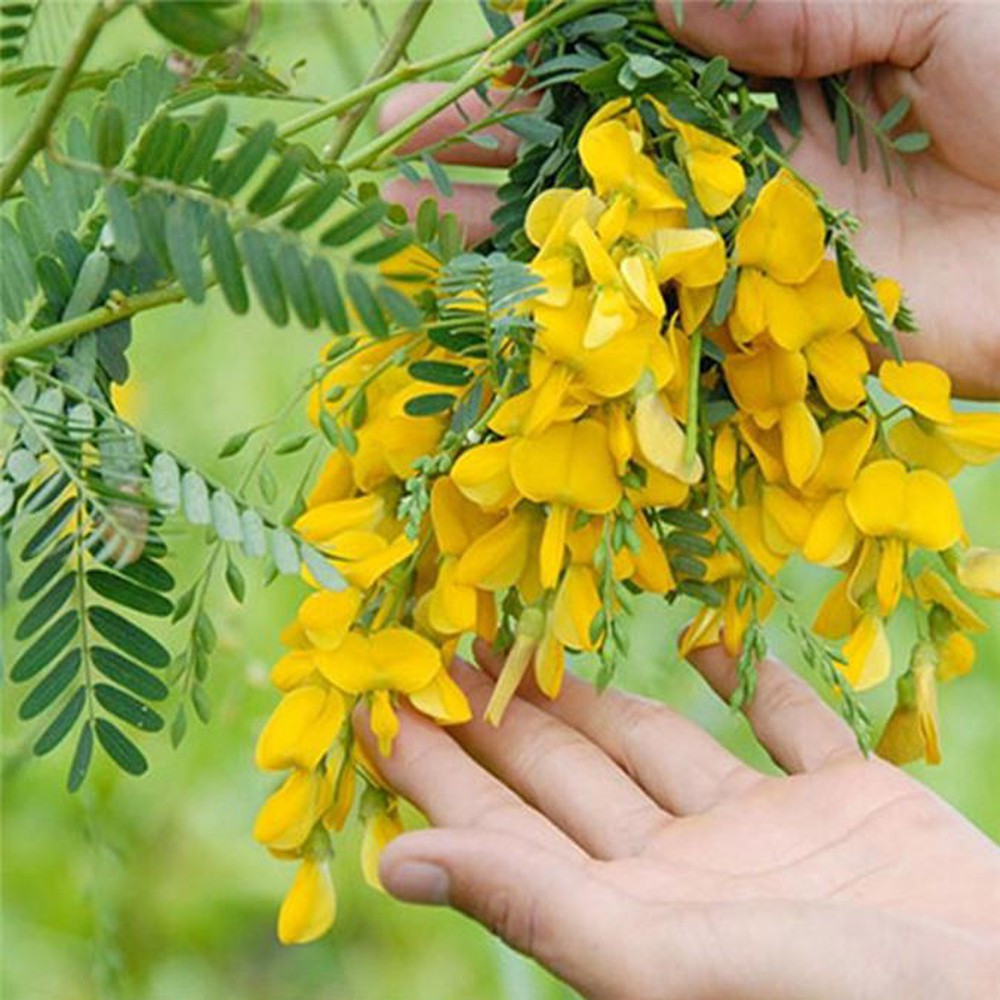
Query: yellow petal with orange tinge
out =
(801, 442)
(749, 312)
(931, 588)
(837, 616)
(310, 907)
(922, 386)
(292, 669)
(335, 481)
(553, 547)
(692, 257)
(362, 557)
(547, 468)
(889, 581)
(382, 827)
(496, 560)
(662, 440)
(451, 606)
(543, 212)
(602, 268)
(797, 315)
(973, 437)
(328, 520)
(483, 475)
(289, 814)
(550, 665)
(442, 700)
(839, 363)
(556, 273)
(576, 604)
(340, 781)
(641, 281)
(456, 520)
(869, 658)
(877, 498)
(831, 537)
(327, 615)
(394, 659)
(979, 571)
(956, 655)
(933, 519)
(784, 233)
(845, 446)
(301, 729)
(651, 568)
(724, 455)
(384, 722)
(695, 305)
(717, 179)
(765, 381)
(702, 631)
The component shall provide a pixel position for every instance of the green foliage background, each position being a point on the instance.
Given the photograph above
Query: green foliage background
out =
(153, 888)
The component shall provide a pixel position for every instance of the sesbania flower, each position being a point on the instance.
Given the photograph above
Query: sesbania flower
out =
(679, 409)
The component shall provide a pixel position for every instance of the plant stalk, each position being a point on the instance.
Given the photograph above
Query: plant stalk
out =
(37, 134)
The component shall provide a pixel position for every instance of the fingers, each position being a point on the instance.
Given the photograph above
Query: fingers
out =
(469, 107)
(561, 772)
(474, 204)
(791, 722)
(778, 38)
(431, 770)
(540, 903)
(676, 762)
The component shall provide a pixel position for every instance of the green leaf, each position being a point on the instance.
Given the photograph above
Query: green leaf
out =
(194, 494)
(202, 706)
(380, 250)
(128, 594)
(194, 26)
(534, 128)
(240, 167)
(713, 76)
(354, 224)
(297, 285)
(109, 135)
(46, 607)
(57, 729)
(788, 106)
(275, 186)
(150, 574)
(724, 297)
(264, 276)
(286, 556)
(226, 517)
(81, 757)
(425, 406)
(21, 466)
(427, 218)
(327, 290)
(438, 174)
(894, 115)
(165, 480)
(401, 307)
(89, 284)
(842, 125)
(178, 727)
(201, 145)
(184, 248)
(911, 142)
(127, 708)
(254, 536)
(317, 201)
(441, 372)
(46, 569)
(120, 748)
(46, 647)
(366, 304)
(322, 570)
(128, 638)
(226, 261)
(128, 674)
(48, 689)
(235, 582)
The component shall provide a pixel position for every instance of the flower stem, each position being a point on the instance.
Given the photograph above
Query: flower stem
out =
(691, 429)
(393, 50)
(55, 94)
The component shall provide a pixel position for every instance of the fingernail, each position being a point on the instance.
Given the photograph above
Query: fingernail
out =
(417, 882)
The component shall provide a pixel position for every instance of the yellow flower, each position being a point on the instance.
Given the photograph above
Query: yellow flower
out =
(326, 616)
(382, 825)
(301, 729)
(310, 907)
(531, 628)
(286, 819)
(867, 652)
(912, 729)
(979, 571)
(548, 469)
(924, 387)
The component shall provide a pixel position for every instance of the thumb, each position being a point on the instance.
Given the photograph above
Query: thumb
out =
(543, 904)
(778, 38)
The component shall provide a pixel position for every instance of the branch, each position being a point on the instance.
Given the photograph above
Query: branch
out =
(38, 130)
(391, 53)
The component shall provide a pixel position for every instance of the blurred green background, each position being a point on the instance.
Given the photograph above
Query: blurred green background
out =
(153, 888)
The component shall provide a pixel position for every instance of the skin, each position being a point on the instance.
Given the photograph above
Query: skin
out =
(667, 868)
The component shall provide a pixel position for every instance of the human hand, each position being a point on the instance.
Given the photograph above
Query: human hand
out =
(621, 846)
(939, 239)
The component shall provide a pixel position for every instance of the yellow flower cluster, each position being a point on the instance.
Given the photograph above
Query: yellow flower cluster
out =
(557, 507)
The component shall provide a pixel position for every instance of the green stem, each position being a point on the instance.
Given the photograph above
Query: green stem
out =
(391, 53)
(694, 373)
(500, 52)
(110, 312)
(55, 94)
